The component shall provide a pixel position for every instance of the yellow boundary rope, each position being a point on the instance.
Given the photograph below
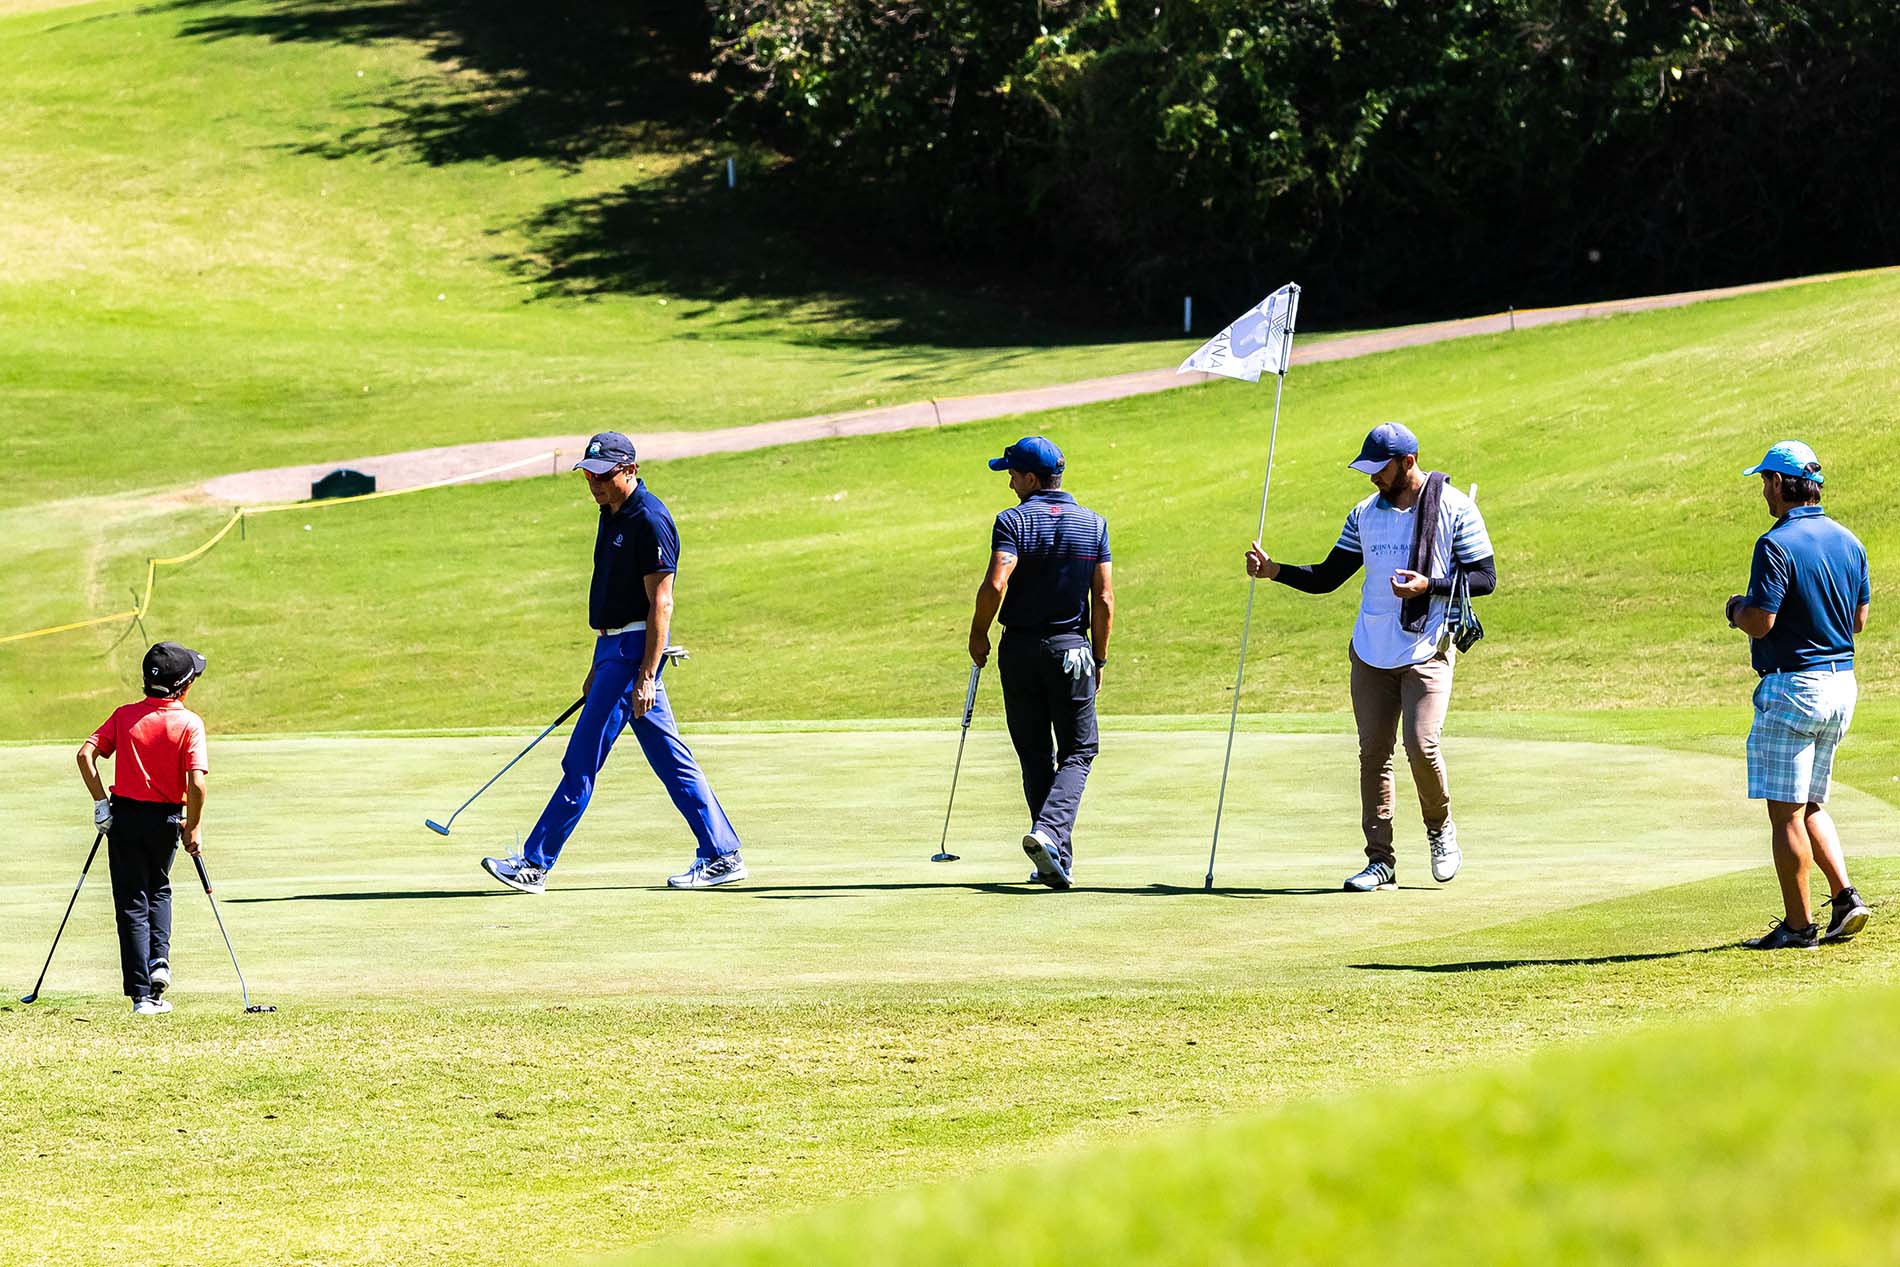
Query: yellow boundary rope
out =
(237, 518)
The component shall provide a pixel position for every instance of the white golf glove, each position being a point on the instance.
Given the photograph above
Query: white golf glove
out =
(102, 815)
(1078, 663)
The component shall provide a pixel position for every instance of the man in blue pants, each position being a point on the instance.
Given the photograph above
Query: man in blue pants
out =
(630, 606)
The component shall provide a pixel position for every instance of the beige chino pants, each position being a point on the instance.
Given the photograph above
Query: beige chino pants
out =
(1384, 702)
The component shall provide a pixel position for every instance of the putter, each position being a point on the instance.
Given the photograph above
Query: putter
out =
(672, 655)
(34, 997)
(442, 829)
(969, 710)
(205, 878)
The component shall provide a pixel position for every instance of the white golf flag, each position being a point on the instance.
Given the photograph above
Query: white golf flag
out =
(1260, 342)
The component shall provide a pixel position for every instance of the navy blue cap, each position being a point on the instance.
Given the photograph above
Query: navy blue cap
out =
(170, 668)
(606, 451)
(1384, 442)
(1035, 454)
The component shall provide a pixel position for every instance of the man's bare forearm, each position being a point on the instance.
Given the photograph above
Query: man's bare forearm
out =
(659, 624)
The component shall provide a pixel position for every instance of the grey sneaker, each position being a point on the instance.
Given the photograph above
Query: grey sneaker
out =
(1377, 875)
(710, 873)
(161, 975)
(1781, 937)
(1849, 917)
(150, 1007)
(517, 873)
(1445, 855)
(1047, 858)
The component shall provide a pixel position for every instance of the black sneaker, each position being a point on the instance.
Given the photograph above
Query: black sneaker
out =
(1781, 937)
(1849, 917)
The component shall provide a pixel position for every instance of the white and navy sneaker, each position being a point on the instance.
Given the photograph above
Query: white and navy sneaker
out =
(517, 873)
(1445, 854)
(710, 873)
(1377, 875)
(1047, 859)
(1849, 917)
(161, 975)
(150, 1007)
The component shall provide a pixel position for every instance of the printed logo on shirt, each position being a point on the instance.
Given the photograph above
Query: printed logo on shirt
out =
(1055, 510)
(620, 538)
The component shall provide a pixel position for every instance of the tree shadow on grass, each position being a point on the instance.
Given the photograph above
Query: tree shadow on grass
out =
(565, 82)
(558, 81)
(1585, 961)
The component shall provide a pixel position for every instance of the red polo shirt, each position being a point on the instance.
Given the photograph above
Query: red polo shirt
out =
(154, 744)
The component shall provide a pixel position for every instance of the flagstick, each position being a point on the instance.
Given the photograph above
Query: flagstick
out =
(1246, 626)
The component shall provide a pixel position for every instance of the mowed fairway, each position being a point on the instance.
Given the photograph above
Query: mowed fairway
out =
(647, 1062)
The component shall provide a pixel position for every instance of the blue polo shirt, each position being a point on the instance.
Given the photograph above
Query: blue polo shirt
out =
(1812, 573)
(634, 542)
(1057, 544)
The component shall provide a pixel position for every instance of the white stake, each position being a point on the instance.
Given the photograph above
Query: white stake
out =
(732, 175)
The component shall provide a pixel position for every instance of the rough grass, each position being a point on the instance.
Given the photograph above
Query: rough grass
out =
(852, 1020)
(224, 244)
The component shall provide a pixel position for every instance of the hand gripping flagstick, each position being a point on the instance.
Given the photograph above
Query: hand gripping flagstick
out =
(1261, 341)
(969, 710)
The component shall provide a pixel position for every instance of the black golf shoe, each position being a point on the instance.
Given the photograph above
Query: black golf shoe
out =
(1781, 937)
(1849, 917)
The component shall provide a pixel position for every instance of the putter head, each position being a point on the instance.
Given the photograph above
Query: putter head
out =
(435, 827)
(31, 998)
(261, 1007)
(944, 857)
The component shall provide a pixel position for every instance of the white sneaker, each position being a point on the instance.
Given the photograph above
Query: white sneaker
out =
(151, 1007)
(1048, 860)
(1445, 855)
(161, 975)
(710, 873)
(517, 873)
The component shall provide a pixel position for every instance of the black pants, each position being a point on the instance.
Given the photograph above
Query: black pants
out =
(1052, 723)
(140, 847)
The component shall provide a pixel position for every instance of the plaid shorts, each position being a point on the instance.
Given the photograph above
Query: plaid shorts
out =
(1800, 718)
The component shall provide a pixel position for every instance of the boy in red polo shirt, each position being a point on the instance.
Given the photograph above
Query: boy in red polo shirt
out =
(158, 781)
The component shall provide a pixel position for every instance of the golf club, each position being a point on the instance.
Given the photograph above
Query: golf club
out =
(205, 878)
(672, 655)
(969, 710)
(34, 997)
(442, 829)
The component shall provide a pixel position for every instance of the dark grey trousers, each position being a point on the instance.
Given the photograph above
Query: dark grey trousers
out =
(141, 845)
(1052, 723)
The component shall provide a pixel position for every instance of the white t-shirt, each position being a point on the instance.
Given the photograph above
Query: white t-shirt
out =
(1383, 535)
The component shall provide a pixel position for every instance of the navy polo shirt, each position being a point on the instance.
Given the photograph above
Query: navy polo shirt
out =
(1057, 544)
(634, 542)
(1812, 573)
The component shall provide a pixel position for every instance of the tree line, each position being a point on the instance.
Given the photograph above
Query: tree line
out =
(1413, 157)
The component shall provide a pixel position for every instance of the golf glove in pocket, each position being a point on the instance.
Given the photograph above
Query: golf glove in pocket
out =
(1078, 663)
(102, 815)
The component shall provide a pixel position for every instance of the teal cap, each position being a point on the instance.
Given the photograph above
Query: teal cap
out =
(1790, 457)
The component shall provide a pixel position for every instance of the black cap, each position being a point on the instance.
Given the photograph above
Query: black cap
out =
(606, 451)
(170, 668)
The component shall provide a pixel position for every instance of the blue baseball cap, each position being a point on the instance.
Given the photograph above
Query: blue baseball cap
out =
(1790, 457)
(1384, 442)
(606, 451)
(1035, 454)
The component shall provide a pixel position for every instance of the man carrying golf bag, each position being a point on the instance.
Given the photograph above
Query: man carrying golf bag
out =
(1049, 576)
(158, 781)
(630, 606)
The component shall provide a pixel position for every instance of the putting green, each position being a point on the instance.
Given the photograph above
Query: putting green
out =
(625, 1063)
(329, 878)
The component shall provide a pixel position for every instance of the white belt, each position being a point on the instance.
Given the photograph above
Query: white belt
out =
(628, 628)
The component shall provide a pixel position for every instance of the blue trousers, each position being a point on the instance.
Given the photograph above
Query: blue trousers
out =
(608, 710)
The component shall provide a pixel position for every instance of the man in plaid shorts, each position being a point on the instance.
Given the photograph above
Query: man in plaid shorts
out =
(1807, 597)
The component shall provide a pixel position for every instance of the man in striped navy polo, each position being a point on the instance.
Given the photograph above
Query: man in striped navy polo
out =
(1049, 577)
(1413, 536)
(1808, 594)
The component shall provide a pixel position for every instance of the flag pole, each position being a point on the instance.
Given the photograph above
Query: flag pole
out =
(1246, 627)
